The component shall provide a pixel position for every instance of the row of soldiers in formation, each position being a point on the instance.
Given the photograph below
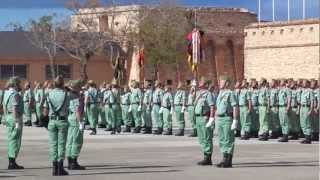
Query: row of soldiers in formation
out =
(261, 109)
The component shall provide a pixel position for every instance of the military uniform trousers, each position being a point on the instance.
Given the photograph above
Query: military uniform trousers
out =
(118, 115)
(226, 135)
(179, 116)
(75, 137)
(58, 131)
(102, 115)
(126, 115)
(205, 135)
(156, 117)
(305, 119)
(39, 111)
(263, 120)
(191, 116)
(315, 123)
(294, 124)
(136, 115)
(255, 125)
(110, 116)
(146, 116)
(284, 119)
(274, 124)
(93, 116)
(27, 112)
(245, 119)
(14, 136)
(167, 118)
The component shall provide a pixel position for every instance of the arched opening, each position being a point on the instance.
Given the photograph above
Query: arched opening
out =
(211, 55)
(230, 60)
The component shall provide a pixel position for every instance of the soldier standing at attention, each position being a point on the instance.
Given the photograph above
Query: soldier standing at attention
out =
(1, 104)
(273, 109)
(76, 125)
(204, 112)
(255, 108)
(109, 101)
(27, 104)
(136, 106)
(294, 125)
(146, 113)
(284, 98)
(190, 109)
(179, 108)
(39, 100)
(13, 111)
(245, 109)
(117, 108)
(125, 104)
(263, 100)
(102, 115)
(226, 114)
(156, 105)
(314, 116)
(306, 108)
(56, 107)
(167, 110)
(91, 102)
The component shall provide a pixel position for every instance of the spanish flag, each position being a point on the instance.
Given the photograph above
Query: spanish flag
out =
(195, 53)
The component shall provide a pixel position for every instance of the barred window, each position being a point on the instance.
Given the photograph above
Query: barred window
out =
(63, 70)
(7, 71)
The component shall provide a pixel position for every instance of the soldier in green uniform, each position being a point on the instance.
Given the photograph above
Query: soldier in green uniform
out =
(76, 125)
(146, 109)
(156, 105)
(136, 106)
(284, 100)
(294, 125)
(204, 111)
(306, 108)
(56, 107)
(190, 109)
(91, 102)
(109, 101)
(117, 108)
(317, 110)
(273, 110)
(179, 108)
(263, 100)
(314, 116)
(13, 111)
(254, 129)
(125, 104)
(1, 104)
(245, 105)
(226, 115)
(167, 110)
(102, 115)
(28, 98)
(39, 97)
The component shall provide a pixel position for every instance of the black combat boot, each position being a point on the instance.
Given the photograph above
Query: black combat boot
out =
(228, 162)
(113, 131)
(101, 126)
(168, 132)
(69, 162)
(180, 132)
(245, 136)
(93, 131)
(147, 130)
(108, 129)
(206, 160)
(307, 140)
(294, 136)
(75, 165)
(315, 136)
(127, 129)
(13, 164)
(28, 123)
(263, 137)
(223, 161)
(61, 170)
(54, 168)
(284, 138)
(158, 131)
(136, 130)
(193, 133)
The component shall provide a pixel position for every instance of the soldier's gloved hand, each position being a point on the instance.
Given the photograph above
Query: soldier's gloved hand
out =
(171, 112)
(210, 122)
(81, 126)
(139, 108)
(234, 124)
(161, 110)
(130, 109)
(183, 109)
(17, 125)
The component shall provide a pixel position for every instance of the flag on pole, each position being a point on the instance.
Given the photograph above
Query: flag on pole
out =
(195, 51)
(141, 57)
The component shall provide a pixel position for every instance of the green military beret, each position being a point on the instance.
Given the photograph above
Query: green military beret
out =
(13, 81)
(75, 84)
(225, 77)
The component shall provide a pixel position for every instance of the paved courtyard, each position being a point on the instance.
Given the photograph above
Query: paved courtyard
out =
(149, 157)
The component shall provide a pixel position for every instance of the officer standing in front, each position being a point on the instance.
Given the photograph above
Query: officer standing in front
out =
(76, 125)
(227, 116)
(204, 111)
(179, 108)
(56, 107)
(13, 111)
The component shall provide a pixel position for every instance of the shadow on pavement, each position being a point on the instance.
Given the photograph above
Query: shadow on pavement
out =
(277, 164)
(92, 167)
(125, 172)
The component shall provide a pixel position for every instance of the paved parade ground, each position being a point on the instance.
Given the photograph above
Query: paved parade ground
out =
(137, 157)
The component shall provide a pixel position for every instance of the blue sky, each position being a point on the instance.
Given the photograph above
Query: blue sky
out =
(20, 11)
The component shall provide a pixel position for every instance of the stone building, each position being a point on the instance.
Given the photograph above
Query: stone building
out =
(282, 50)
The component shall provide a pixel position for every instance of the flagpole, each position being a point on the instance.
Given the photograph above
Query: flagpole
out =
(259, 11)
(273, 13)
(288, 10)
(303, 9)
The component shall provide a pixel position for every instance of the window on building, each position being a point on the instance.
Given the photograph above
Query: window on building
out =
(7, 71)
(64, 70)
